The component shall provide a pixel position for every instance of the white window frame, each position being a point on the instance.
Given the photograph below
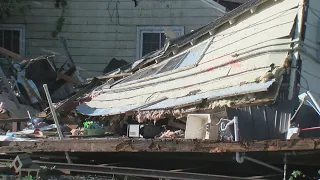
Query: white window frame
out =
(152, 29)
(17, 27)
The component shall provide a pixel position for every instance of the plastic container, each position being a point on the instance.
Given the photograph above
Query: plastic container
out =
(94, 132)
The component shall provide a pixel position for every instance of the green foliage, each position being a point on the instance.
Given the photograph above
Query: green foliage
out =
(91, 125)
(28, 178)
(300, 175)
(7, 7)
(61, 20)
(296, 174)
(60, 3)
(58, 26)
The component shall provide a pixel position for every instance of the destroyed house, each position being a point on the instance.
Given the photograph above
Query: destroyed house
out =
(252, 63)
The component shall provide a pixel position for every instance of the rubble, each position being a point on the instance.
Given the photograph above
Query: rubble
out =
(172, 134)
(178, 99)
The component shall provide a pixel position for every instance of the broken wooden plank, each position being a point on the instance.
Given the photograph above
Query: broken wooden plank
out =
(10, 120)
(156, 145)
(12, 54)
(67, 78)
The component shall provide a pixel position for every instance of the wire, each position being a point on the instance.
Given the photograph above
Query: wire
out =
(308, 87)
(298, 109)
(311, 9)
(260, 22)
(312, 74)
(309, 90)
(311, 128)
(304, 99)
(313, 107)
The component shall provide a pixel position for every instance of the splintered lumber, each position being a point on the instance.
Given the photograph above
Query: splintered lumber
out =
(12, 54)
(67, 78)
(156, 145)
(9, 120)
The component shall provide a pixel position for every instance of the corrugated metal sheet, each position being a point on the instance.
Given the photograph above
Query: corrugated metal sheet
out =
(263, 122)
(169, 103)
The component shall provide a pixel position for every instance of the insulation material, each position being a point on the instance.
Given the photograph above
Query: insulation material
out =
(143, 116)
(155, 115)
(220, 103)
(172, 134)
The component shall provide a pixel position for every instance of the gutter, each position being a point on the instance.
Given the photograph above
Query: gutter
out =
(239, 158)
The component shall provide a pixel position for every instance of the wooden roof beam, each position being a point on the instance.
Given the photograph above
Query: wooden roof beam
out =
(153, 145)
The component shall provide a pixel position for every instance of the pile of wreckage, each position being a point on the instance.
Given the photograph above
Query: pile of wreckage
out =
(227, 82)
(191, 88)
(29, 86)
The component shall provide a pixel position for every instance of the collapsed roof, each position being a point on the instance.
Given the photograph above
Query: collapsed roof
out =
(237, 59)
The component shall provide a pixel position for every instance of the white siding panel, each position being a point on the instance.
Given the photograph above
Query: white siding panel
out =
(241, 36)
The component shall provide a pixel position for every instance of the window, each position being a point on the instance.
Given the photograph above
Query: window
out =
(12, 37)
(189, 58)
(186, 59)
(171, 64)
(152, 38)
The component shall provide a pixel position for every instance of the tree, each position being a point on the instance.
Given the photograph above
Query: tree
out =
(8, 7)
